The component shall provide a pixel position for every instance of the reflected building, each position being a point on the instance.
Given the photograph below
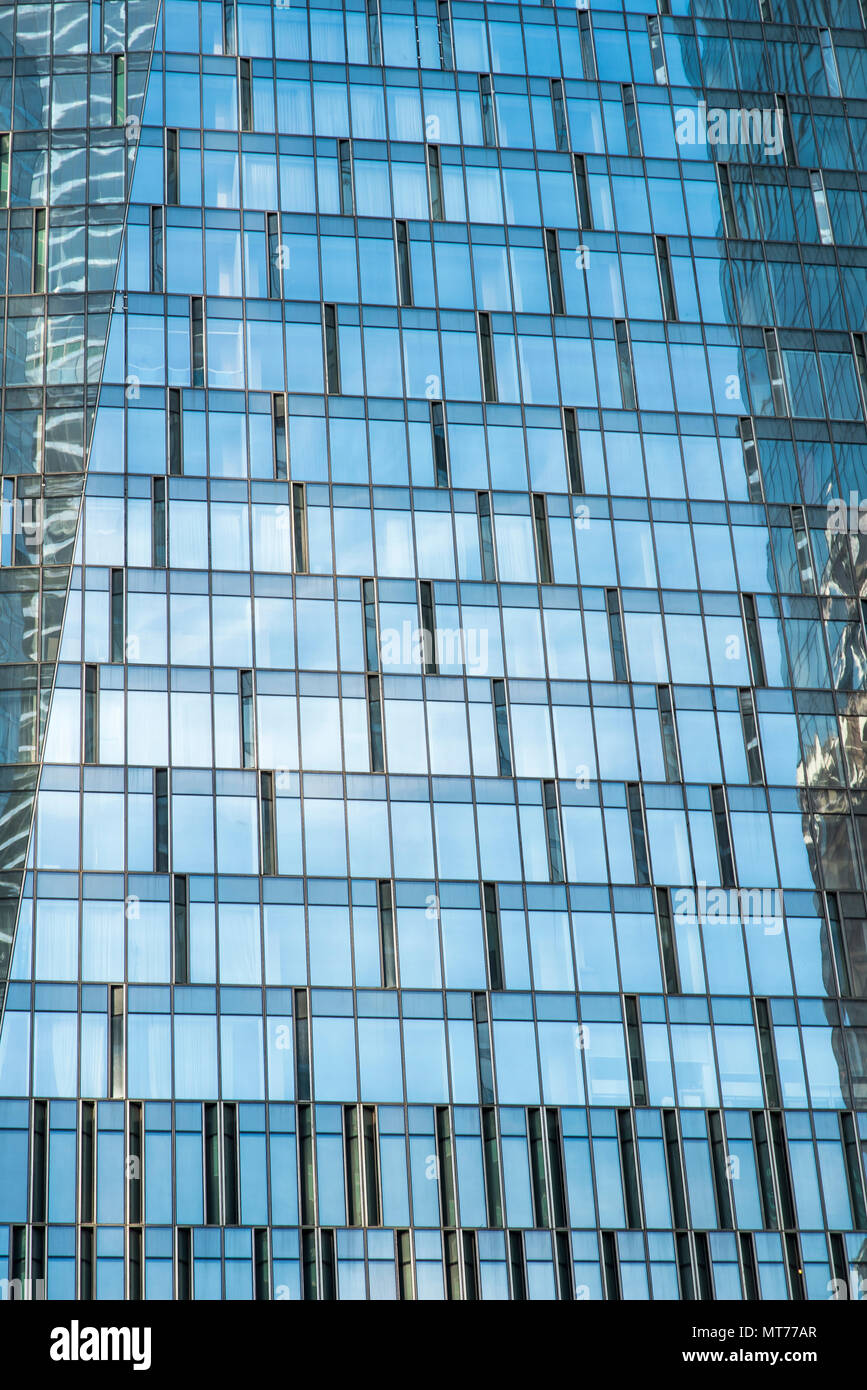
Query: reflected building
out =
(417, 585)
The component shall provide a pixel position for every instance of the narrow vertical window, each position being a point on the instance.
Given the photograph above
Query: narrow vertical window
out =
(373, 39)
(158, 522)
(666, 282)
(332, 353)
(854, 1169)
(752, 745)
(501, 723)
(582, 192)
(118, 88)
(5, 148)
(859, 349)
(794, 1267)
(573, 450)
(175, 429)
(752, 468)
(555, 273)
(657, 50)
(668, 733)
(668, 949)
(720, 1170)
(486, 536)
(405, 1289)
(278, 427)
(727, 203)
(635, 806)
(552, 832)
(445, 30)
(636, 1050)
(435, 183)
(493, 939)
(610, 1269)
(352, 1162)
(723, 837)
(806, 575)
(91, 714)
(87, 1163)
(267, 824)
(820, 203)
(197, 336)
(344, 162)
(374, 716)
(371, 636)
(136, 1159)
(428, 627)
(486, 349)
(299, 526)
(86, 1265)
(838, 945)
(161, 820)
(471, 1266)
(228, 26)
(674, 1165)
(452, 1265)
(39, 262)
(115, 1040)
(784, 127)
(484, 1056)
(588, 52)
(445, 1167)
(157, 245)
(181, 928)
(370, 1157)
(629, 1169)
(543, 539)
(775, 372)
(275, 268)
(754, 644)
(486, 99)
(615, 633)
(440, 450)
(118, 642)
(538, 1175)
(261, 1266)
(766, 13)
(630, 117)
(556, 1167)
(307, 1163)
(39, 1163)
(766, 1052)
(558, 106)
(491, 1157)
(387, 952)
(173, 168)
(829, 63)
(404, 266)
(245, 93)
(624, 364)
(780, 1151)
(231, 1205)
(301, 1014)
(749, 1265)
(248, 728)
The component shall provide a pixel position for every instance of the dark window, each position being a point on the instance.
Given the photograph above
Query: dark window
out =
(245, 93)
(387, 953)
(173, 174)
(157, 252)
(90, 749)
(555, 274)
(159, 535)
(435, 183)
(175, 422)
(278, 420)
(248, 719)
(501, 722)
(404, 266)
(332, 354)
(299, 526)
(181, 928)
(486, 347)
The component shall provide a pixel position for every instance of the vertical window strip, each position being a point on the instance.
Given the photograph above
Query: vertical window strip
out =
(159, 534)
(299, 527)
(404, 264)
(752, 466)
(248, 718)
(90, 742)
(573, 450)
(181, 928)
(280, 437)
(387, 949)
(175, 431)
(552, 832)
(555, 273)
(332, 351)
(173, 169)
(161, 820)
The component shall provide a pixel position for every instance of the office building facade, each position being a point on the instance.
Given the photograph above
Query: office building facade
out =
(434, 797)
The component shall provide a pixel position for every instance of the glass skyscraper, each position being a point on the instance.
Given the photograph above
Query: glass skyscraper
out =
(433, 792)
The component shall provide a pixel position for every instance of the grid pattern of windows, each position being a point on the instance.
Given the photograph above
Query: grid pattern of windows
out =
(433, 601)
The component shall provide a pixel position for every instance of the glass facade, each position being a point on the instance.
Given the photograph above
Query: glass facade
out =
(433, 794)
